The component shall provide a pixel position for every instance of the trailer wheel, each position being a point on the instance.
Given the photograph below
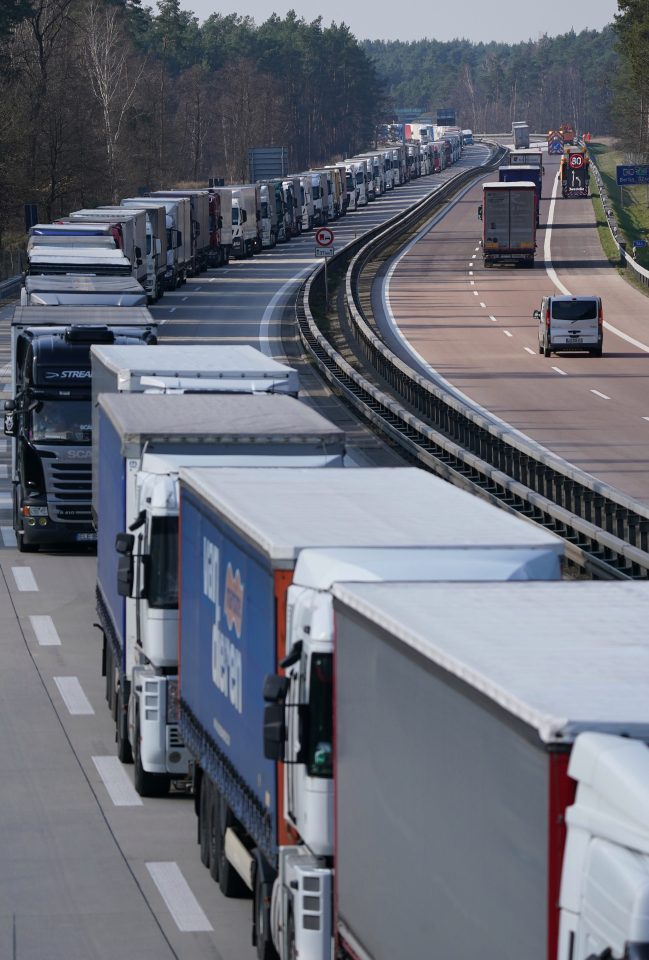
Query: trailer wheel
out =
(213, 834)
(121, 733)
(263, 940)
(147, 784)
(230, 883)
(204, 815)
(291, 952)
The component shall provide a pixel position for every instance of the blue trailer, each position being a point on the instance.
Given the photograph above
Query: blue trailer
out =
(524, 172)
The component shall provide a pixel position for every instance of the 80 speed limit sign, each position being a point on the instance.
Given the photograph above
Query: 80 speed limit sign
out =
(324, 237)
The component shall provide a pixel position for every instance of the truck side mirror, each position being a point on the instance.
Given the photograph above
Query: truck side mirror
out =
(124, 543)
(125, 575)
(158, 248)
(10, 424)
(274, 731)
(480, 212)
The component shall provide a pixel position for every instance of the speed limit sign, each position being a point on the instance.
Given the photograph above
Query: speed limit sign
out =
(576, 160)
(324, 237)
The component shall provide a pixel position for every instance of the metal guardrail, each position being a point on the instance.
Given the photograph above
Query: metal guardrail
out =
(10, 287)
(605, 531)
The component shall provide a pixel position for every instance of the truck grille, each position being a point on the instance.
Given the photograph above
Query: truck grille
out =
(69, 490)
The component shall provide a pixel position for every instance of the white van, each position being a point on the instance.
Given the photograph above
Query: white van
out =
(570, 324)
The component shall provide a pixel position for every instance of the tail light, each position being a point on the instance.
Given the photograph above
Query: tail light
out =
(547, 318)
(600, 318)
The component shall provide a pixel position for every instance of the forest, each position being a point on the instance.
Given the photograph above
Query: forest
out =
(106, 98)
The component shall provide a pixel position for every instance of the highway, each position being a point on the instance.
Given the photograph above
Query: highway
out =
(472, 326)
(89, 870)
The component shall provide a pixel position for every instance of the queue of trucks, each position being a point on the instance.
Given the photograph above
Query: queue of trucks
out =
(387, 750)
(510, 209)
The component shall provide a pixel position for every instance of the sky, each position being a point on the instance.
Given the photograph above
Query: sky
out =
(475, 20)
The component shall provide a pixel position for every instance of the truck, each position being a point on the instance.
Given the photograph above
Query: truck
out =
(358, 171)
(574, 172)
(511, 768)
(44, 291)
(320, 195)
(65, 256)
(129, 228)
(518, 172)
(305, 199)
(48, 416)
(568, 135)
(509, 215)
(246, 220)
(179, 243)
(143, 440)
(292, 205)
(255, 599)
(199, 212)
(273, 224)
(529, 157)
(520, 134)
(223, 197)
(156, 243)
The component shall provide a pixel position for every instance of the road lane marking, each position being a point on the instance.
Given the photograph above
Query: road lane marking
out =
(495, 320)
(472, 282)
(483, 305)
(46, 632)
(507, 333)
(25, 580)
(559, 370)
(529, 350)
(475, 293)
(184, 298)
(8, 537)
(118, 785)
(266, 320)
(176, 893)
(598, 394)
(476, 249)
(73, 696)
(645, 418)
(172, 310)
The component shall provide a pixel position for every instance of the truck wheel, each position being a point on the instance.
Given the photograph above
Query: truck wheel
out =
(263, 941)
(214, 838)
(121, 733)
(24, 546)
(147, 784)
(230, 883)
(204, 815)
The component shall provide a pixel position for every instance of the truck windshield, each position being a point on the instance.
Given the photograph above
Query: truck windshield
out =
(360, 178)
(319, 760)
(350, 181)
(162, 570)
(316, 192)
(61, 421)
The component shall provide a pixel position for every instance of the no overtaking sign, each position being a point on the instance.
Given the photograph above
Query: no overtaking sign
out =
(324, 237)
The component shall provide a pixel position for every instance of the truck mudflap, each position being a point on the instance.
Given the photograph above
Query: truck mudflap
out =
(237, 794)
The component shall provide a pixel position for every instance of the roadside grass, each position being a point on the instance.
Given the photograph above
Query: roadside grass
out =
(631, 204)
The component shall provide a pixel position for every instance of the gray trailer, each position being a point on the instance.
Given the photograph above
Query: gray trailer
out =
(473, 721)
(77, 290)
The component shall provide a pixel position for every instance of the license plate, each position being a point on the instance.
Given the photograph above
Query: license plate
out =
(575, 340)
(86, 537)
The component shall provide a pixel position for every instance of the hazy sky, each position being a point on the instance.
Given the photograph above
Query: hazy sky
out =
(475, 20)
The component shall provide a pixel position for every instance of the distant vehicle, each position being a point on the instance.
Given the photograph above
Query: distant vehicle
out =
(467, 138)
(570, 324)
(509, 214)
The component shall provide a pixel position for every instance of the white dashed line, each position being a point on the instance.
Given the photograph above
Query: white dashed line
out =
(172, 310)
(495, 320)
(507, 333)
(559, 370)
(475, 293)
(73, 696)
(470, 273)
(184, 298)
(8, 536)
(598, 394)
(645, 418)
(24, 578)
(483, 305)
(472, 282)
(176, 893)
(120, 789)
(529, 350)
(476, 249)
(45, 631)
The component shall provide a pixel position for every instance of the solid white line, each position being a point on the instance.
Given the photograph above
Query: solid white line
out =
(3, 471)
(46, 632)
(598, 394)
(73, 696)
(483, 305)
(559, 370)
(24, 578)
(120, 789)
(8, 536)
(266, 320)
(176, 893)
(507, 333)
(529, 350)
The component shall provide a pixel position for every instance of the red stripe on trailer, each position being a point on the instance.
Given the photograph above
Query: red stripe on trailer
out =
(561, 791)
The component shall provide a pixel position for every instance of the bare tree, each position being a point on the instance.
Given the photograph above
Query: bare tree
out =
(113, 83)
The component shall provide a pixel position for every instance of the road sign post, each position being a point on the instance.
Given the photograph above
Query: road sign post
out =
(324, 239)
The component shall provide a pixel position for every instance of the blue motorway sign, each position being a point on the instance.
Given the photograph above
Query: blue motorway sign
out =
(639, 243)
(629, 174)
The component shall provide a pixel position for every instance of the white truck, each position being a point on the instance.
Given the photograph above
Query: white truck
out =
(179, 243)
(491, 772)
(71, 290)
(100, 260)
(273, 544)
(246, 220)
(130, 230)
(320, 194)
(199, 206)
(143, 440)
(158, 225)
(358, 171)
(225, 198)
(273, 223)
(306, 200)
